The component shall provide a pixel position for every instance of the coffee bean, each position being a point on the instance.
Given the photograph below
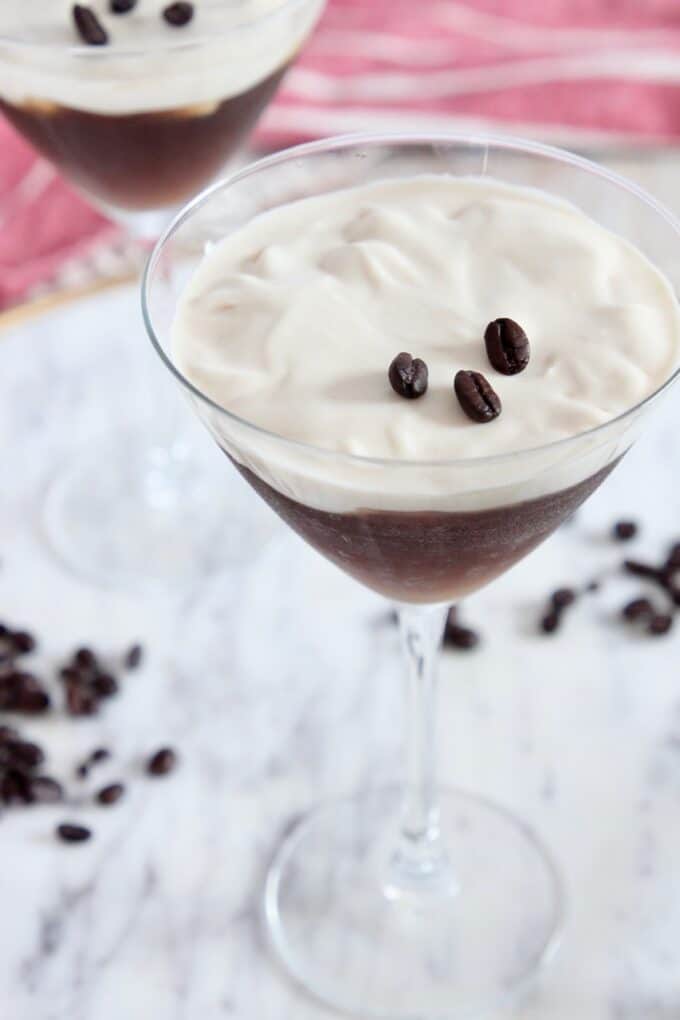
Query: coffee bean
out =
(133, 657)
(638, 609)
(623, 531)
(562, 598)
(459, 637)
(408, 376)
(85, 659)
(105, 685)
(646, 570)
(23, 642)
(33, 702)
(161, 762)
(80, 701)
(89, 26)
(178, 14)
(27, 754)
(476, 396)
(82, 771)
(15, 787)
(550, 623)
(121, 6)
(8, 735)
(660, 623)
(70, 833)
(46, 790)
(507, 346)
(69, 674)
(110, 794)
(99, 754)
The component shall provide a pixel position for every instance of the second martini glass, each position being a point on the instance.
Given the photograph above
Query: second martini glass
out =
(140, 124)
(421, 901)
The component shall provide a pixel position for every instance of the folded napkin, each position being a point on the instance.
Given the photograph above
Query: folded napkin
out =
(584, 73)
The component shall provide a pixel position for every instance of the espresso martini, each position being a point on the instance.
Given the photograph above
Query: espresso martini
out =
(424, 344)
(141, 102)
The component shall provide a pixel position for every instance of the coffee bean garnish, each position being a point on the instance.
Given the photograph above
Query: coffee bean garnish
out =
(121, 6)
(562, 598)
(105, 685)
(89, 26)
(476, 396)
(463, 638)
(162, 762)
(550, 622)
(408, 376)
(110, 794)
(660, 624)
(133, 657)
(178, 14)
(624, 531)
(85, 659)
(100, 754)
(507, 346)
(637, 609)
(70, 833)
(647, 570)
(22, 642)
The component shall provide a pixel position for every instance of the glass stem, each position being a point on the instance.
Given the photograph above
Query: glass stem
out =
(419, 862)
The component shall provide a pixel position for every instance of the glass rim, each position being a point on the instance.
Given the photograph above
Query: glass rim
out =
(347, 141)
(104, 53)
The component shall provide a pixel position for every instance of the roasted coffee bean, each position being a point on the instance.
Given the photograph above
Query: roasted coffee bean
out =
(110, 794)
(121, 6)
(85, 659)
(623, 531)
(105, 685)
(82, 771)
(639, 569)
(89, 26)
(22, 642)
(162, 762)
(659, 624)
(463, 638)
(8, 734)
(99, 754)
(178, 14)
(80, 700)
(46, 790)
(476, 396)
(638, 609)
(550, 622)
(70, 674)
(33, 702)
(507, 346)
(70, 833)
(562, 598)
(133, 657)
(408, 376)
(15, 787)
(27, 754)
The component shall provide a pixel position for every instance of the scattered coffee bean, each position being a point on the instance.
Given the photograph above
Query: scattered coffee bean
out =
(8, 734)
(638, 609)
(70, 833)
(133, 657)
(105, 685)
(507, 346)
(99, 754)
(562, 598)
(110, 794)
(550, 623)
(89, 26)
(121, 6)
(46, 790)
(82, 771)
(408, 376)
(26, 753)
(623, 531)
(162, 762)
(639, 569)
(660, 623)
(15, 787)
(23, 642)
(178, 14)
(476, 396)
(85, 659)
(80, 701)
(463, 638)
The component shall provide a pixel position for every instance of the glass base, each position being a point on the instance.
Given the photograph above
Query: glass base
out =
(123, 515)
(460, 949)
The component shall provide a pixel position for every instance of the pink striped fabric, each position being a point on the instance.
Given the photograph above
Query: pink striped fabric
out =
(581, 72)
(584, 73)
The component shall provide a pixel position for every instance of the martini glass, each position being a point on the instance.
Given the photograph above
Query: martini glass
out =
(140, 125)
(413, 901)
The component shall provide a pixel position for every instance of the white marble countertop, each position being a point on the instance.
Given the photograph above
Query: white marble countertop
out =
(278, 681)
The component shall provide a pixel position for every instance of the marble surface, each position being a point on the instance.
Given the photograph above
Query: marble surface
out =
(278, 680)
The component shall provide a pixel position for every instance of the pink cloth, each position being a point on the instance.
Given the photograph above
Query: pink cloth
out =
(584, 73)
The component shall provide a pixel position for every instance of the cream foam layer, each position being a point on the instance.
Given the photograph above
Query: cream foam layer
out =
(292, 321)
(228, 47)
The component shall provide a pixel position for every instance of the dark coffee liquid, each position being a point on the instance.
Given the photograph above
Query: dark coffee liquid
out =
(423, 556)
(143, 160)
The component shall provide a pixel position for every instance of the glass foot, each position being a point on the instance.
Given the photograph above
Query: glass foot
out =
(124, 516)
(458, 950)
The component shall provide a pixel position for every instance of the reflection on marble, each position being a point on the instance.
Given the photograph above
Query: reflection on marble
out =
(278, 681)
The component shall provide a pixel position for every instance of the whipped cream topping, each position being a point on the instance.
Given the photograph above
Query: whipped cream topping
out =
(228, 47)
(291, 323)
